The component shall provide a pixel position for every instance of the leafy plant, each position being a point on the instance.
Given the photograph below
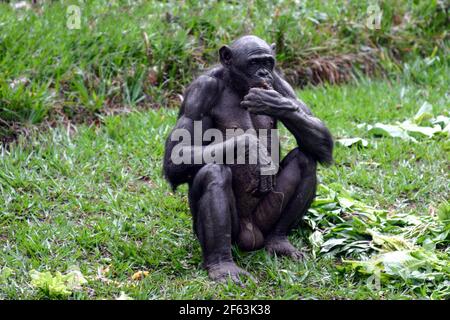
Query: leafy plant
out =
(58, 284)
(343, 226)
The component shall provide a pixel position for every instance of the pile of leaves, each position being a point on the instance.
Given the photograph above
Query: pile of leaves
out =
(423, 125)
(390, 249)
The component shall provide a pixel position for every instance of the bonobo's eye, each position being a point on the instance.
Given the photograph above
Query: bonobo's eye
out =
(269, 63)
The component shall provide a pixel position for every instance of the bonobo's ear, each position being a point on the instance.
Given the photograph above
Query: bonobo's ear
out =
(225, 54)
(273, 46)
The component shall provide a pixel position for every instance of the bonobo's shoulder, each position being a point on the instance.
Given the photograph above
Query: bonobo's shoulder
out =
(216, 72)
(211, 80)
(205, 82)
(201, 95)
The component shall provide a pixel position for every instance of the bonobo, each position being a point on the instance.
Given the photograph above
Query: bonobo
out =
(240, 203)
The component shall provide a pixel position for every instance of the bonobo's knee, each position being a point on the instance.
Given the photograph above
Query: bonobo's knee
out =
(306, 164)
(212, 175)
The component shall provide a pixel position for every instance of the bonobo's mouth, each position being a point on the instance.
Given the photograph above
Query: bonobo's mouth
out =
(263, 84)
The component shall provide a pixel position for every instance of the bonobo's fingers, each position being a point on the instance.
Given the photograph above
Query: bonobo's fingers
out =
(257, 108)
(288, 107)
(265, 92)
(266, 175)
(269, 96)
(268, 102)
(262, 96)
(246, 104)
(266, 184)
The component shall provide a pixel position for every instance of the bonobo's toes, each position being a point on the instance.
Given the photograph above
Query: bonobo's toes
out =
(281, 246)
(228, 270)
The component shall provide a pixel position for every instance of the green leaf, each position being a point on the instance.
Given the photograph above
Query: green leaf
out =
(5, 273)
(346, 202)
(330, 244)
(348, 142)
(441, 120)
(444, 212)
(418, 131)
(387, 130)
(399, 263)
(389, 243)
(424, 114)
(446, 130)
(316, 240)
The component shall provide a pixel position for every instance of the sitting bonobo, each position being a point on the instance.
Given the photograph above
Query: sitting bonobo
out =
(239, 202)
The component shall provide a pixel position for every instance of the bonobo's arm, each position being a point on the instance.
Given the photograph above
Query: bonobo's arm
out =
(309, 131)
(199, 99)
(311, 134)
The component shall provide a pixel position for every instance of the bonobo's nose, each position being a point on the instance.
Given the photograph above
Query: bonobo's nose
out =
(262, 73)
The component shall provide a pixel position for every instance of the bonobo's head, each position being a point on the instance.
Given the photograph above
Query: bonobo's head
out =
(250, 61)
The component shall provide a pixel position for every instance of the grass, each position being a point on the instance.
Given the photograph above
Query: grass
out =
(93, 196)
(48, 71)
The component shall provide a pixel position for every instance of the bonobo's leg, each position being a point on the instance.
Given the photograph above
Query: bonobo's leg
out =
(215, 220)
(281, 210)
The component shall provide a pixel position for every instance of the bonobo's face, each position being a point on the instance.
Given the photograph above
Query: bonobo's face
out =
(250, 60)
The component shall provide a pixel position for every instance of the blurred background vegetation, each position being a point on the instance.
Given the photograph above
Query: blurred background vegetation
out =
(130, 54)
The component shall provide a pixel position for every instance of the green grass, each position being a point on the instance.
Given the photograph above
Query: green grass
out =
(94, 196)
(48, 71)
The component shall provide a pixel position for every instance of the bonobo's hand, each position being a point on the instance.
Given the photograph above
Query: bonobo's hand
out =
(267, 171)
(268, 102)
(265, 167)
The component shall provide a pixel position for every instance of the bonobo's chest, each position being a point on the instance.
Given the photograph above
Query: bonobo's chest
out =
(228, 114)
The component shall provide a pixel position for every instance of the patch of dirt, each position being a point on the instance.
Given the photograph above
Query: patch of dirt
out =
(336, 69)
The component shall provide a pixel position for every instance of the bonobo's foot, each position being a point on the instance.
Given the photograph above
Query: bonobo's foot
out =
(222, 271)
(281, 246)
